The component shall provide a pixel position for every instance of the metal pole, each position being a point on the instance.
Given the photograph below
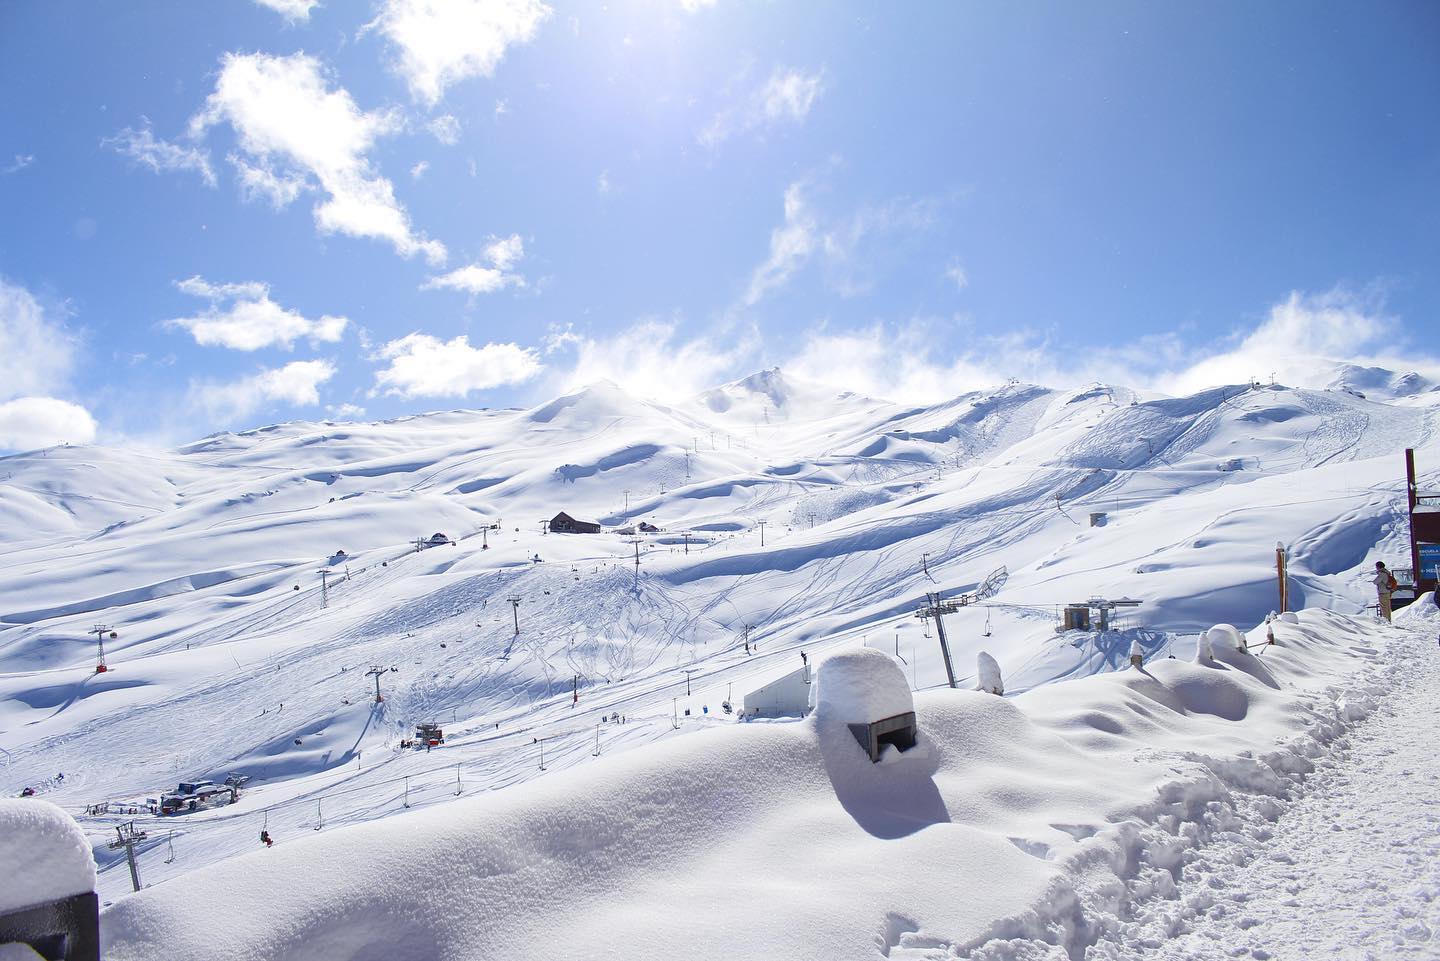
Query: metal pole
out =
(944, 643)
(597, 740)
(1280, 573)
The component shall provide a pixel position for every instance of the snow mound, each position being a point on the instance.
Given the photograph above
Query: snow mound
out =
(44, 852)
(988, 670)
(1225, 637)
(1419, 612)
(858, 687)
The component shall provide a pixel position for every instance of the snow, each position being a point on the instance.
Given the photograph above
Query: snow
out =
(858, 687)
(44, 852)
(687, 819)
(988, 670)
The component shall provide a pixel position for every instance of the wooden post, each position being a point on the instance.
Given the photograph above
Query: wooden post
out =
(1412, 495)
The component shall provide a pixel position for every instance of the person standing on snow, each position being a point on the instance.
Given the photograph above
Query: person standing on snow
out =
(1384, 586)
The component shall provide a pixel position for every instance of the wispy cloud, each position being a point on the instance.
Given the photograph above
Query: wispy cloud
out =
(445, 128)
(144, 148)
(294, 11)
(266, 183)
(424, 366)
(851, 249)
(442, 42)
(22, 160)
(418, 171)
(37, 360)
(790, 245)
(956, 274)
(501, 254)
(292, 124)
(243, 317)
(786, 96)
(651, 358)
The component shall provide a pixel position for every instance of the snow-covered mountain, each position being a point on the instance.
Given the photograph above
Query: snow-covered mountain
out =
(809, 518)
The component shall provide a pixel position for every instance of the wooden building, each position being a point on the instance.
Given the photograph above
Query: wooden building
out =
(563, 523)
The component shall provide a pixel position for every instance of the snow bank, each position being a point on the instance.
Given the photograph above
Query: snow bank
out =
(44, 854)
(1421, 612)
(1029, 826)
(858, 687)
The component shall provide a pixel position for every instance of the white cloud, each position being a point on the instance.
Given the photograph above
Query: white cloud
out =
(1303, 341)
(37, 359)
(445, 129)
(161, 156)
(296, 383)
(690, 6)
(263, 182)
(36, 353)
(502, 254)
(441, 42)
(651, 358)
(1299, 342)
(787, 95)
(425, 366)
(602, 183)
(294, 11)
(418, 171)
(291, 125)
(251, 320)
(22, 160)
(345, 411)
(852, 250)
(27, 423)
(790, 245)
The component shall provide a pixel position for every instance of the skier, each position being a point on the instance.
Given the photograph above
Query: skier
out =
(1385, 585)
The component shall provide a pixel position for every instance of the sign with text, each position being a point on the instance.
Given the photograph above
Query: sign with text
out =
(1429, 561)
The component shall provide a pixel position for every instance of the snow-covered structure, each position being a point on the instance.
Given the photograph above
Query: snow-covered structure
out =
(47, 896)
(988, 670)
(866, 691)
(782, 697)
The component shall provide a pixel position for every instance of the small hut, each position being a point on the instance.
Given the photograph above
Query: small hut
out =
(563, 523)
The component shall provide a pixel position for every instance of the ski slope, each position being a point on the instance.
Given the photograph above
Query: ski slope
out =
(817, 517)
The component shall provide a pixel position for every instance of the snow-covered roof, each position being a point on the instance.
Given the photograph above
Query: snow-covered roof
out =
(44, 854)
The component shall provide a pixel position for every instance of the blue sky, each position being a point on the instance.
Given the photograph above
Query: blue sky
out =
(221, 215)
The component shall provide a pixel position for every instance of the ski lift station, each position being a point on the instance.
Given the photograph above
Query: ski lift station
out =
(788, 696)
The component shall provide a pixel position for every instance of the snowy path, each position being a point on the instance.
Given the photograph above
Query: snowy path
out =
(1351, 869)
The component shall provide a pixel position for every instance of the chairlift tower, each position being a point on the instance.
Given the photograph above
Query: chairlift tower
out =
(937, 608)
(127, 837)
(377, 672)
(100, 630)
(514, 600)
(324, 587)
(636, 541)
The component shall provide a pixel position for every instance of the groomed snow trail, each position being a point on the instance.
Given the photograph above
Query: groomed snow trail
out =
(1349, 870)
